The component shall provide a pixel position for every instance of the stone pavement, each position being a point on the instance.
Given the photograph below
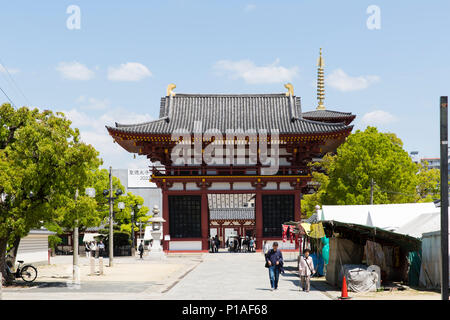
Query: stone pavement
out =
(217, 276)
(239, 276)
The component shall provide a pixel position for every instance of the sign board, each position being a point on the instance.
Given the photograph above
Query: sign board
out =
(140, 178)
(167, 237)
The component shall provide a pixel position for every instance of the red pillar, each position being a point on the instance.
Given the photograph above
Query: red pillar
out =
(258, 220)
(205, 221)
(297, 210)
(165, 215)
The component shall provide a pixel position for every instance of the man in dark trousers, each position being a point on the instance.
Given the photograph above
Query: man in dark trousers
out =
(141, 249)
(274, 261)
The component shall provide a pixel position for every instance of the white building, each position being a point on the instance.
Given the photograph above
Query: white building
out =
(34, 247)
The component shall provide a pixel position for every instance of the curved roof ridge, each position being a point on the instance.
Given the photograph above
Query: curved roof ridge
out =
(327, 111)
(200, 95)
(121, 125)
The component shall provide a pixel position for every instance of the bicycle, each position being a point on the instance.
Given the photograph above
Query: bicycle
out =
(27, 272)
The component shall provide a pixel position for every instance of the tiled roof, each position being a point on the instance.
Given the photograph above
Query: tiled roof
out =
(232, 214)
(322, 114)
(231, 111)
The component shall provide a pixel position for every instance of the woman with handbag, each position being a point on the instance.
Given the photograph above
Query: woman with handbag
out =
(306, 269)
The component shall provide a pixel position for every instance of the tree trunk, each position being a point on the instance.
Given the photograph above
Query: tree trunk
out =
(3, 244)
(13, 251)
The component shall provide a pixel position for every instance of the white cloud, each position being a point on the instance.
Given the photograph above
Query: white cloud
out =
(11, 70)
(378, 117)
(89, 103)
(74, 71)
(250, 7)
(141, 162)
(130, 71)
(93, 131)
(338, 79)
(252, 74)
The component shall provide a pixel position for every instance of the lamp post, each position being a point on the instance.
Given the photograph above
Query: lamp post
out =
(134, 210)
(90, 192)
(109, 195)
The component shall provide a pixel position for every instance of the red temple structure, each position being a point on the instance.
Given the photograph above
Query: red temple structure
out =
(203, 199)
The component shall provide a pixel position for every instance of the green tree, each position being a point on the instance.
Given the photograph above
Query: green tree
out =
(428, 183)
(123, 217)
(368, 155)
(42, 164)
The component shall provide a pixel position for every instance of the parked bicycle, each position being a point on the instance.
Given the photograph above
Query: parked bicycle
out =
(25, 271)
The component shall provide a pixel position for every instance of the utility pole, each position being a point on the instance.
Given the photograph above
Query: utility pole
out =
(111, 231)
(444, 198)
(76, 272)
(371, 191)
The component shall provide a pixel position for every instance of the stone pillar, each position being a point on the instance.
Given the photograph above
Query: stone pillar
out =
(258, 220)
(165, 215)
(100, 265)
(92, 264)
(297, 211)
(205, 221)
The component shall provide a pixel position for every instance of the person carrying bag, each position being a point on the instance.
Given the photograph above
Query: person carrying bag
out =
(306, 270)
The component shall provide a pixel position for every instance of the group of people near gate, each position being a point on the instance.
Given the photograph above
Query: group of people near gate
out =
(274, 262)
(214, 244)
(241, 244)
(94, 249)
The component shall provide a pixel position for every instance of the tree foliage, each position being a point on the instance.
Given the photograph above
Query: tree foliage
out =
(347, 175)
(42, 164)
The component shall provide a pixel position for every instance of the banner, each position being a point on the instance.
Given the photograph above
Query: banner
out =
(140, 178)
(291, 233)
(285, 229)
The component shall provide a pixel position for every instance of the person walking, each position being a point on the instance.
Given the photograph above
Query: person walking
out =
(266, 248)
(87, 249)
(141, 249)
(101, 248)
(93, 248)
(252, 245)
(274, 261)
(306, 270)
(217, 243)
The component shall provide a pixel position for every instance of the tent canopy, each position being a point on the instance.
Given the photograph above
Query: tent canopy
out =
(386, 216)
(361, 233)
(88, 237)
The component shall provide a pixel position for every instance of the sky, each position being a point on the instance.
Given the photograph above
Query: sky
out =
(105, 61)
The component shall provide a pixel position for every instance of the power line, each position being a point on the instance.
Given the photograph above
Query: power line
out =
(14, 82)
(7, 97)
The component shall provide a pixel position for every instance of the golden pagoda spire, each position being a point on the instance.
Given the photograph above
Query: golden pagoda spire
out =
(320, 82)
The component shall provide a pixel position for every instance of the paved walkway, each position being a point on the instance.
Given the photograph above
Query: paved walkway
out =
(239, 276)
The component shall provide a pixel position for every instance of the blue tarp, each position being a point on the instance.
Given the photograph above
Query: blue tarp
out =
(318, 263)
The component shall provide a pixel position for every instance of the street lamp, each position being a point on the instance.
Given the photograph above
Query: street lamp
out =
(134, 210)
(108, 194)
(90, 192)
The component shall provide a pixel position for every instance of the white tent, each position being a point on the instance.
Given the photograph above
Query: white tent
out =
(88, 237)
(426, 222)
(386, 216)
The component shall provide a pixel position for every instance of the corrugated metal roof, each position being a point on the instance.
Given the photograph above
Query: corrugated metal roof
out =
(231, 111)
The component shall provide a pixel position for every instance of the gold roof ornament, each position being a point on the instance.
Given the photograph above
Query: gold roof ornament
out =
(290, 88)
(320, 82)
(170, 88)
